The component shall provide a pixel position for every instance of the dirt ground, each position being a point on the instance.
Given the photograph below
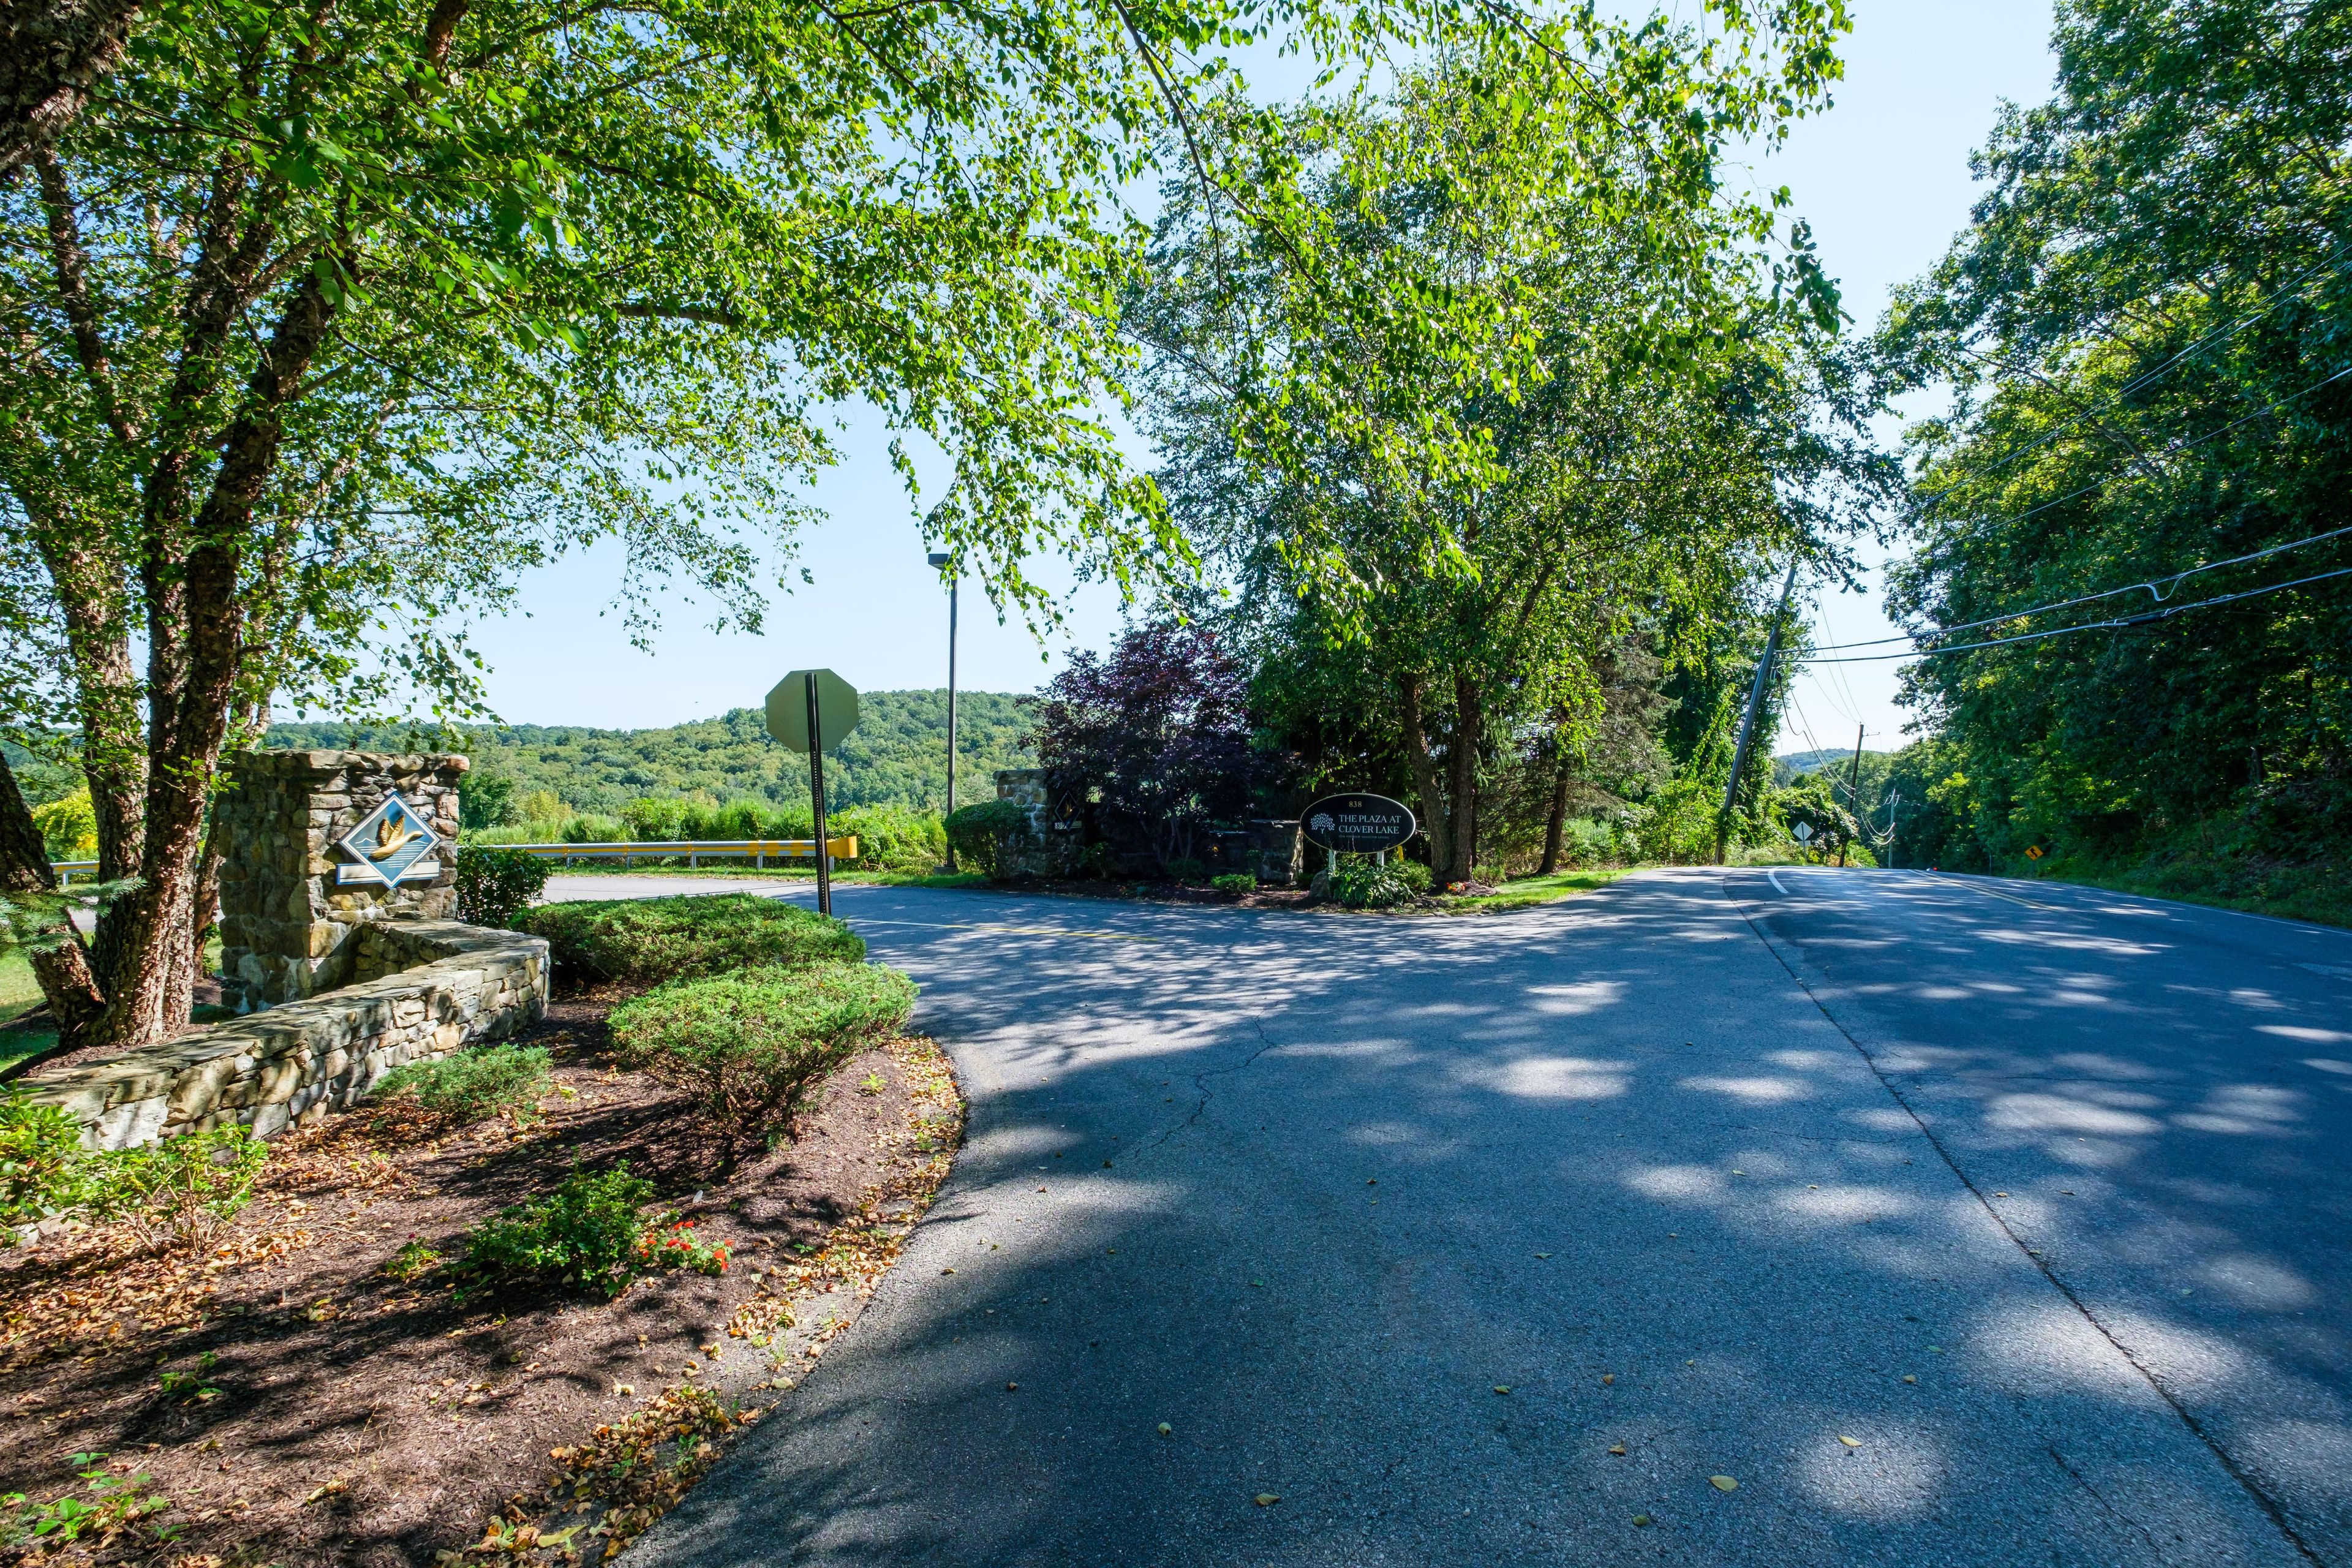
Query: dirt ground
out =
(321, 1411)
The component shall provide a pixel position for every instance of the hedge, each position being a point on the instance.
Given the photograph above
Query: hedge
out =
(749, 1046)
(645, 942)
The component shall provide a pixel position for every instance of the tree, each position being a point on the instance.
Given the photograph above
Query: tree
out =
(1156, 737)
(2144, 325)
(1464, 528)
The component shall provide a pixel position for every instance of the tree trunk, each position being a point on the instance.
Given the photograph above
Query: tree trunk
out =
(1556, 825)
(1462, 775)
(1436, 819)
(62, 968)
(52, 53)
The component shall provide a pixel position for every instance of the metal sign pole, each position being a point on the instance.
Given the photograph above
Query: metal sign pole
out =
(816, 799)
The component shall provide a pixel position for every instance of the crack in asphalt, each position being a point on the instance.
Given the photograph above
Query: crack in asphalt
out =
(1201, 1081)
(2262, 1500)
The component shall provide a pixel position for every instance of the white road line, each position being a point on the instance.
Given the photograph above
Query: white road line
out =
(1775, 875)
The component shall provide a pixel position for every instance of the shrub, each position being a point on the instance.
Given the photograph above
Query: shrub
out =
(590, 1232)
(475, 1085)
(44, 1169)
(749, 1046)
(652, 819)
(1414, 875)
(1362, 884)
(493, 886)
(539, 807)
(1234, 882)
(890, 837)
(1184, 868)
(594, 830)
(643, 942)
(183, 1190)
(979, 833)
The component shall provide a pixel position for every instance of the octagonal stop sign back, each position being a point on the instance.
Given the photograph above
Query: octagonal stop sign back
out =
(837, 702)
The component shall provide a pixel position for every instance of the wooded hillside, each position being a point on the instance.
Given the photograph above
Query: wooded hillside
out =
(896, 756)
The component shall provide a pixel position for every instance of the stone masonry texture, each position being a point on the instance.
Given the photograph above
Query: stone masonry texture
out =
(365, 979)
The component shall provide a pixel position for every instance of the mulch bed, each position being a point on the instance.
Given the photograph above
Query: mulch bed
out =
(325, 1412)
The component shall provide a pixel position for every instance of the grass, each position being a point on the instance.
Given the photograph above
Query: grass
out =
(2315, 890)
(1530, 891)
(19, 994)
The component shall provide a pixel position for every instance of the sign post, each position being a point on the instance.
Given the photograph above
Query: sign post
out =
(812, 710)
(1358, 824)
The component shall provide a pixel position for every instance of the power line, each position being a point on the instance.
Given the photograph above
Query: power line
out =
(2143, 618)
(2226, 330)
(2150, 585)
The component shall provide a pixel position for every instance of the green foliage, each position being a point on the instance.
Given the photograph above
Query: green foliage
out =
(587, 1232)
(495, 885)
(180, 1192)
(750, 1046)
(896, 757)
(487, 800)
(643, 942)
(979, 833)
(44, 1169)
(474, 1084)
(1184, 868)
(1415, 876)
(2146, 342)
(115, 1505)
(1360, 882)
(1237, 883)
(190, 1381)
(892, 838)
(1436, 567)
(590, 1232)
(69, 826)
(413, 1261)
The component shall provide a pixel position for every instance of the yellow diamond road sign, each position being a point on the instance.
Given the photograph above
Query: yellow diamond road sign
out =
(788, 708)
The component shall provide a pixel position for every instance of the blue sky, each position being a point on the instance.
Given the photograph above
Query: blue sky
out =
(1882, 176)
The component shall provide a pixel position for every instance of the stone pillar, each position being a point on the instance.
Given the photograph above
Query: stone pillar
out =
(289, 927)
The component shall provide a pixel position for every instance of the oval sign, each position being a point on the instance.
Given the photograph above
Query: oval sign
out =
(1357, 824)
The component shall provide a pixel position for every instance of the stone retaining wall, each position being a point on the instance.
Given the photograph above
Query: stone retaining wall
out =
(426, 988)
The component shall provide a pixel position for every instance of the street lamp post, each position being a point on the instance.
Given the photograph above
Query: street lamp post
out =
(944, 562)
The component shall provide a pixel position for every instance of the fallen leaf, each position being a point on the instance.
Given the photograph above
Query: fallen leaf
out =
(1607, 1378)
(1502, 1388)
(1849, 1442)
(1640, 1520)
(2000, 1194)
(330, 1489)
(1723, 1483)
(947, 1271)
(1267, 1500)
(1012, 1388)
(1166, 1430)
(1543, 1255)
(1908, 1378)
(1617, 1448)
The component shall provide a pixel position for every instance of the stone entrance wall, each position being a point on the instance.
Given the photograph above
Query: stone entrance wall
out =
(347, 981)
(288, 928)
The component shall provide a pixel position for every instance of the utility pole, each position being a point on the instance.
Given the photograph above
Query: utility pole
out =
(940, 563)
(1854, 791)
(1747, 724)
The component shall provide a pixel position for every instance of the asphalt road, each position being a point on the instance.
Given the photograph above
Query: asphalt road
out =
(1413, 1224)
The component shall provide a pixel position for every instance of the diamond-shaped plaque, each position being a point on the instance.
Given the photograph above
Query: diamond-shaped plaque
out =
(390, 844)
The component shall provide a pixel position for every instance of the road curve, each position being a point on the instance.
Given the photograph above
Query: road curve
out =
(1485, 1241)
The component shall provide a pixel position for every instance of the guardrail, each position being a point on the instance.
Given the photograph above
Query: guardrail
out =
(695, 850)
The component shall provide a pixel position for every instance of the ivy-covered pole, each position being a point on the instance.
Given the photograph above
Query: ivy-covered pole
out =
(1747, 724)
